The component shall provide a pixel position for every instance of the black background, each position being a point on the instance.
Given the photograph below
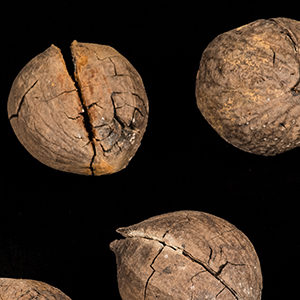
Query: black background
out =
(56, 227)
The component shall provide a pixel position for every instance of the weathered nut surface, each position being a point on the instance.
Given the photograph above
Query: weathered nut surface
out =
(92, 124)
(24, 289)
(248, 86)
(186, 255)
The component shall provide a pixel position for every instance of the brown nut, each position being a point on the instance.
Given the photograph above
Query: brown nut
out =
(186, 255)
(90, 125)
(248, 86)
(24, 289)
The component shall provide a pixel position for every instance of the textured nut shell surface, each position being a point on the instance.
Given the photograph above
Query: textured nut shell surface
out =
(48, 110)
(248, 86)
(24, 289)
(186, 255)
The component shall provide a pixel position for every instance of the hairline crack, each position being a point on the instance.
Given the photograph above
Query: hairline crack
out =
(15, 115)
(153, 270)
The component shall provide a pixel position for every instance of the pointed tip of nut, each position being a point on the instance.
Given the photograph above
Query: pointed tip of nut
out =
(124, 231)
(131, 231)
(75, 44)
(53, 48)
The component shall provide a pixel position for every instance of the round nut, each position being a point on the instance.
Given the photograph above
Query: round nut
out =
(24, 289)
(248, 86)
(186, 255)
(92, 124)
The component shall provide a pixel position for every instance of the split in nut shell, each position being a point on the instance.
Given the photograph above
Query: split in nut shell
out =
(90, 122)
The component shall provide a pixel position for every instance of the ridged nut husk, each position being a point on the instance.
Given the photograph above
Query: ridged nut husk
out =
(25, 289)
(91, 124)
(248, 86)
(186, 255)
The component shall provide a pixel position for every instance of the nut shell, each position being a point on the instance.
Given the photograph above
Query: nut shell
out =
(25, 289)
(248, 86)
(186, 255)
(92, 124)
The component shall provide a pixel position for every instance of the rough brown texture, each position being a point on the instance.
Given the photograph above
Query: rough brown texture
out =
(248, 86)
(92, 124)
(24, 289)
(186, 255)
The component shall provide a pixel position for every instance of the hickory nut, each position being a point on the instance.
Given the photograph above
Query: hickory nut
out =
(24, 289)
(92, 124)
(186, 255)
(248, 86)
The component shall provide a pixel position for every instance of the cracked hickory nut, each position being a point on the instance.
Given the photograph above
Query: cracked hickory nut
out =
(186, 255)
(24, 289)
(248, 86)
(90, 123)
